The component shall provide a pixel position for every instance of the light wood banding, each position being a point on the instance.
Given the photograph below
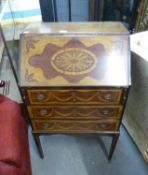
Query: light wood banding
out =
(74, 112)
(111, 96)
(83, 126)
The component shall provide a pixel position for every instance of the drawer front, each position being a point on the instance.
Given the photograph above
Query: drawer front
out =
(73, 126)
(74, 112)
(112, 96)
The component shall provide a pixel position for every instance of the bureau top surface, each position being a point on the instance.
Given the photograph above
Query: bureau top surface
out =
(74, 54)
(76, 28)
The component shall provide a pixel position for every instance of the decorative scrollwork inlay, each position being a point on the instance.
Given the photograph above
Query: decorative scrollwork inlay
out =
(29, 77)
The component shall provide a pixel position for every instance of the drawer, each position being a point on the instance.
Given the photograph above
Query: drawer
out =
(74, 112)
(59, 126)
(111, 96)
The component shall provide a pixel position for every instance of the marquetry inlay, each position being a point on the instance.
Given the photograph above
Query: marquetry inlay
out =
(74, 61)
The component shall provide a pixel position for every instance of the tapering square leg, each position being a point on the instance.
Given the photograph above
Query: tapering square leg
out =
(38, 144)
(113, 145)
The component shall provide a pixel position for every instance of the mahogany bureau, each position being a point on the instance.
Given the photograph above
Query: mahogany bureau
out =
(74, 78)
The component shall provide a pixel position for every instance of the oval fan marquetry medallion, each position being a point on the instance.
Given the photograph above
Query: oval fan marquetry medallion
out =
(74, 61)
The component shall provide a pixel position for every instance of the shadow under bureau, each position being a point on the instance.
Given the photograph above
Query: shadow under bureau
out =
(75, 77)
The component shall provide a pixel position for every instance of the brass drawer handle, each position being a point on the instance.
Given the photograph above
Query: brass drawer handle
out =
(103, 125)
(43, 112)
(40, 97)
(45, 125)
(105, 112)
(108, 97)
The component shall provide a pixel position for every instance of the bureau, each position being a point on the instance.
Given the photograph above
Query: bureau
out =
(74, 78)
